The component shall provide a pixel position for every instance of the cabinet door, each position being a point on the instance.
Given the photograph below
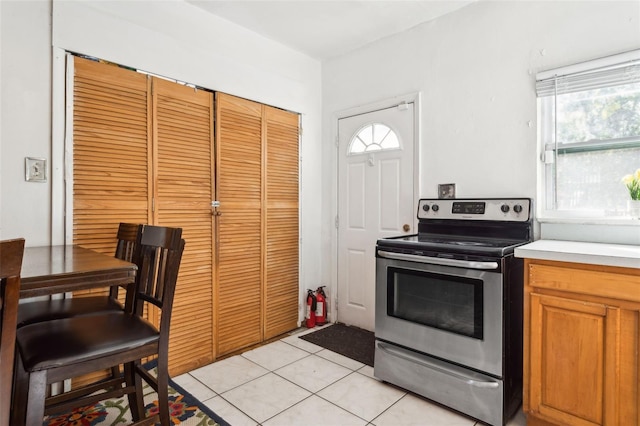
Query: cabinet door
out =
(257, 183)
(574, 360)
(111, 149)
(281, 233)
(183, 191)
(239, 177)
(146, 156)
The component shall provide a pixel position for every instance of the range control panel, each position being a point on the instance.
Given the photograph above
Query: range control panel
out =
(502, 209)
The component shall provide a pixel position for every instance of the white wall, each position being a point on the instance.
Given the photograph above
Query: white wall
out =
(170, 38)
(475, 69)
(25, 118)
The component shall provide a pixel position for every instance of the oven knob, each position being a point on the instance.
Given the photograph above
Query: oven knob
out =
(504, 208)
(435, 208)
(425, 207)
(517, 208)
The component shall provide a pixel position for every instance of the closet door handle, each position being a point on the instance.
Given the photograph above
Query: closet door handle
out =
(215, 204)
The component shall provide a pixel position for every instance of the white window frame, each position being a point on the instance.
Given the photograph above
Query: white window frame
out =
(367, 151)
(545, 214)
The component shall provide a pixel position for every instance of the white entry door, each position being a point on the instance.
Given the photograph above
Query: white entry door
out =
(375, 200)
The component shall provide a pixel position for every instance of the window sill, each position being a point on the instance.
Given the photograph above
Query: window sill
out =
(594, 229)
(590, 220)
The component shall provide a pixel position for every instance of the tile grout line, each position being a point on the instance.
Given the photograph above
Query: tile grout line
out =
(351, 370)
(344, 409)
(312, 393)
(255, 378)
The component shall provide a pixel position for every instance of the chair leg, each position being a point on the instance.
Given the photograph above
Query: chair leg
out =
(136, 399)
(163, 390)
(37, 395)
(20, 391)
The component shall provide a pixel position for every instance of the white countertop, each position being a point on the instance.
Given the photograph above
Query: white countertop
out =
(626, 256)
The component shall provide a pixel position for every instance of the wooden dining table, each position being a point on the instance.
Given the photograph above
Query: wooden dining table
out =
(57, 269)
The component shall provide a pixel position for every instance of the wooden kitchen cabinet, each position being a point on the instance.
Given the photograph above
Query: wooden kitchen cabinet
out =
(582, 335)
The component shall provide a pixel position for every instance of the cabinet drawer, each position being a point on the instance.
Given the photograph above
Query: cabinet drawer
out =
(595, 283)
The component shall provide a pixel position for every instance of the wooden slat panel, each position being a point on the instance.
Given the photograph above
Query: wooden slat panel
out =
(282, 211)
(110, 157)
(110, 152)
(183, 132)
(239, 186)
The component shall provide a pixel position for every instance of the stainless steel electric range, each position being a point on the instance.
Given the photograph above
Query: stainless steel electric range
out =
(449, 305)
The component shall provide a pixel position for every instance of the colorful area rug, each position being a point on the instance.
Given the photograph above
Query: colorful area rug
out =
(185, 411)
(352, 342)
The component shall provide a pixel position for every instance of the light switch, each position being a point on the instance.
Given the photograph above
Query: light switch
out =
(36, 169)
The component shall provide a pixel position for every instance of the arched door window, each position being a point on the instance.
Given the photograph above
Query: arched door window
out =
(373, 137)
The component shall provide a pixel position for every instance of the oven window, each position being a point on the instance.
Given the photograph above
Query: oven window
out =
(446, 302)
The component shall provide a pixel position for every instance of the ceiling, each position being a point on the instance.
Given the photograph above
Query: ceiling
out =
(323, 29)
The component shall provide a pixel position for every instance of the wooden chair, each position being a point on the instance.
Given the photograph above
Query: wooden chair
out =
(60, 349)
(11, 252)
(45, 310)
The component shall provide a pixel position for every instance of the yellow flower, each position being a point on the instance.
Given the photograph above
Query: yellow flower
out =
(632, 182)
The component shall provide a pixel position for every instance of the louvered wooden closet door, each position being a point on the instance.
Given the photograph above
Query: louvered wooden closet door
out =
(146, 158)
(111, 157)
(282, 253)
(239, 185)
(111, 139)
(183, 133)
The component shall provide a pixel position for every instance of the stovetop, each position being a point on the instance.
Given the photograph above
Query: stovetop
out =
(422, 244)
(487, 227)
(462, 241)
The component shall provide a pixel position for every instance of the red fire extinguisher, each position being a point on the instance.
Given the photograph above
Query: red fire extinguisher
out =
(311, 309)
(321, 309)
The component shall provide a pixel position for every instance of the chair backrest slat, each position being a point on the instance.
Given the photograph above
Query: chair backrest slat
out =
(158, 258)
(128, 237)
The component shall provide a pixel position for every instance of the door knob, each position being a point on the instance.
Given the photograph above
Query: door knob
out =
(406, 227)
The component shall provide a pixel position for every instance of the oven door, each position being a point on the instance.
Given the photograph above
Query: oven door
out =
(452, 310)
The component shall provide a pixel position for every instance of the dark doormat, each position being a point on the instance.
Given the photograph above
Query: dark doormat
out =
(352, 342)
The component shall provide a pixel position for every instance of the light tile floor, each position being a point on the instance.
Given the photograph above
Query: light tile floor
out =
(294, 382)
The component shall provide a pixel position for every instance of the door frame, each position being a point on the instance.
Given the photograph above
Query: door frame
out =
(413, 97)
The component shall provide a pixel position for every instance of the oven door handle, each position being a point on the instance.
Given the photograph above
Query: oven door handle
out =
(470, 264)
(455, 374)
